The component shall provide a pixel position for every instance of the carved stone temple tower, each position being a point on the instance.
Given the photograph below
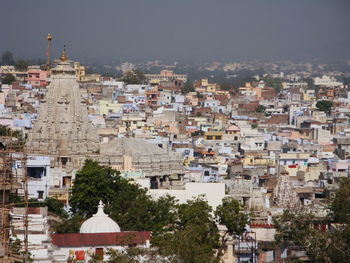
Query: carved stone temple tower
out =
(62, 129)
(284, 195)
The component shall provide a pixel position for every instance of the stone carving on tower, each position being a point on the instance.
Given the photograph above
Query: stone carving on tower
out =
(62, 128)
(283, 195)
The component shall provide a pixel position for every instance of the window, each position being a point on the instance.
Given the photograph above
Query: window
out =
(36, 172)
(64, 161)
(66, 181)
(40, 194)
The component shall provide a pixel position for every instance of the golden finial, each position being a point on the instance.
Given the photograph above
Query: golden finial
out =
(49, 37)
(63, 54)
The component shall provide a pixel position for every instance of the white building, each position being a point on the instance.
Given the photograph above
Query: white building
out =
(38, 231)
(97, 234)
(327, 81)
(212, 192)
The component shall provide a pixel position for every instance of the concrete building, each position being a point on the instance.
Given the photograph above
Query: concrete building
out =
(37, 77)
(165, 75)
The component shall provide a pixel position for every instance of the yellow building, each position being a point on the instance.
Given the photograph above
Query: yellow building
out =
(165, 75)
(135, 122)
(91, 78)
(294, 162)
(211, 87)
(107, 107)
(309, 95)
(223, 92)
(213, 135)
(205, 86)
(79, 71)
(257, 161)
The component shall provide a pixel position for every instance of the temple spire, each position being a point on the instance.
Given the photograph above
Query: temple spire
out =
(48, 51)
(63, 57)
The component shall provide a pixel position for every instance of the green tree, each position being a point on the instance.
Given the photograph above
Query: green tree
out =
(21, 65)
(193, 237)
(8, 79)
(337, 244)
(260, 108)
(7, 58)
(126, 203)
(133, 77)
(310, 83)
(295, 230)
(293, 227)
(340, 205)
(92, 184)
(162, 213)
(225, 86)
(140, 75)
(276, 83)
(6, 131)
(324, 105)
(286, 108)
(56, 207)
(120, 256)
(188, 87)
(18, 137)
(69, 225)
(230, 214)
(134, 255)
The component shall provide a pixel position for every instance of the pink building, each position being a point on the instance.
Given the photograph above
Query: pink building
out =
(37, 77)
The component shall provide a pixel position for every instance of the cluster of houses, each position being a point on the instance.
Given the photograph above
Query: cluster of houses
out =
(270, 149)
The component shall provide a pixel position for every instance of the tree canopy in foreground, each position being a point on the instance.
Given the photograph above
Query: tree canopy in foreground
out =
(297, 229)
(185, 232)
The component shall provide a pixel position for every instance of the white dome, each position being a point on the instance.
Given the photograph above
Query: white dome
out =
(99, 223)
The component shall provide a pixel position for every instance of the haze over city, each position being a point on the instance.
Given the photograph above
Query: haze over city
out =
(178, 30)
(167, 131)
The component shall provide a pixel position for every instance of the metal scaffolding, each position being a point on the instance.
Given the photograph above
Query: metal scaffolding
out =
(13, 191)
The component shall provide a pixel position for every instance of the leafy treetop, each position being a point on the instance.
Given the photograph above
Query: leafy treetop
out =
(324, 105)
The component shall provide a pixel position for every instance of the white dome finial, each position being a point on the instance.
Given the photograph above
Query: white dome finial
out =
(99, 223)
(100, 211)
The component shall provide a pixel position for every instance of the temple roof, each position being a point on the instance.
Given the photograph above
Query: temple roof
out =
(131, 146)
(63, 127)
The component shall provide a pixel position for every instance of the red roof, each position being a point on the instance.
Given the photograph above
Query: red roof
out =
(262, 225)
(100, 239)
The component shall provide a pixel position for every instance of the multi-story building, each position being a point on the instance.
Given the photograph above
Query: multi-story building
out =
(37, 77)
(165, 75)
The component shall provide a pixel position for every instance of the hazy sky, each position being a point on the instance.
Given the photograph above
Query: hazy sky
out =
(177, 29)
